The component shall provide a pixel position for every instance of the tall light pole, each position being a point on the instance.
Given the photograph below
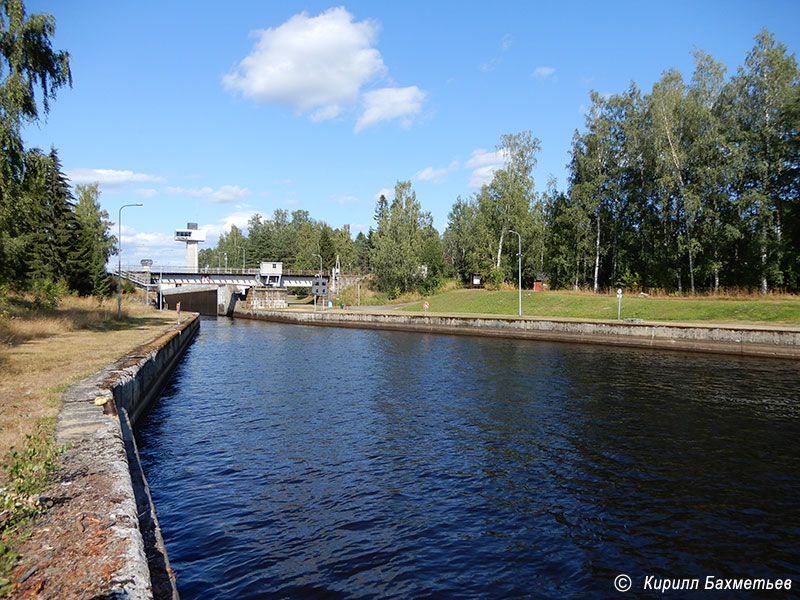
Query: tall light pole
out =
(226, 262)
(320, 263)
(320, 280)
(119, 256)
(519, 267)
(243, 259)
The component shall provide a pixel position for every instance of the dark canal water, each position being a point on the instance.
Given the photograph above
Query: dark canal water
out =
(297, 462)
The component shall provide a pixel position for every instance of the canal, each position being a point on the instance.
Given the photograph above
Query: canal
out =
(289, 461)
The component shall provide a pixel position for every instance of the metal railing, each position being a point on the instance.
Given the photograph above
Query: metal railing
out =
(156, 269)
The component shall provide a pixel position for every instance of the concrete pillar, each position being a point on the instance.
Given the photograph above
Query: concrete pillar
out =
(192, 256)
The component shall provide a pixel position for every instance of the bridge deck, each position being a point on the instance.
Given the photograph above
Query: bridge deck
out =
(241, 277)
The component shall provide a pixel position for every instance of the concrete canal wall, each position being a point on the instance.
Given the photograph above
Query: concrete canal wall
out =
(96, 421)
(777, 342)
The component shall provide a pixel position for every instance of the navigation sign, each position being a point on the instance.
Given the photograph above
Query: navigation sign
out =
(319, 287)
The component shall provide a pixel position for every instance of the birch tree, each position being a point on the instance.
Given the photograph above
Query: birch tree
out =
(762, 88)
(503, 203)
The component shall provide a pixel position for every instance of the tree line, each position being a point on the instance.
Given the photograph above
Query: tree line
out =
(404, 251)
(695, 185)
(49, 239)
(692, 186)
(293, 239)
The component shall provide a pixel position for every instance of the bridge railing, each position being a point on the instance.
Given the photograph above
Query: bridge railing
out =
(157, 269)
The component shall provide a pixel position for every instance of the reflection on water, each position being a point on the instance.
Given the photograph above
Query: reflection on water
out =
(293, 462)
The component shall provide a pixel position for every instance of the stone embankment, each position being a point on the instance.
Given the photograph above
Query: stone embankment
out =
(100, 536)
(777, 342)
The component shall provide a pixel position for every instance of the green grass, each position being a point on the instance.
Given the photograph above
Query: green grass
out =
(370, 297)
(28, 472)
(779, 310)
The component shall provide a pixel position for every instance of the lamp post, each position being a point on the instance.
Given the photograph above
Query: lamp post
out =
(320, 281)
(119, 257)
(320, 263)
(519, 267)
(226, 262)
(242, 259)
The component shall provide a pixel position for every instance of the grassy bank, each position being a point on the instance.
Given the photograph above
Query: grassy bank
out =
(44, 350)
(371, 297)
(777, 310)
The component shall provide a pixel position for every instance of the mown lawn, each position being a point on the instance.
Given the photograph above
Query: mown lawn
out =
(776, 310)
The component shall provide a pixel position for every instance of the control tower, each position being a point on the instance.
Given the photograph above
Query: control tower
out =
(191, 236)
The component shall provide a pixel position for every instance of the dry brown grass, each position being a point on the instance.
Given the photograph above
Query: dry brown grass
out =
(43, 352)
(21, 320)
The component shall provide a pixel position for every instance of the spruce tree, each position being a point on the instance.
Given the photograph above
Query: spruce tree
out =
(29, 66)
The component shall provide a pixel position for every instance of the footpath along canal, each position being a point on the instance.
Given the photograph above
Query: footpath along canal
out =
(288, 461)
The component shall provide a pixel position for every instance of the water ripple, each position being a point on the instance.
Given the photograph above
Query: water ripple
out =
(294, 462)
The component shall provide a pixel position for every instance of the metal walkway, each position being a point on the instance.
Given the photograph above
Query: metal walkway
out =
(240, 277)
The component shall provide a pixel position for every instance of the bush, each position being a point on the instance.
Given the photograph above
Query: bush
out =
(47, 294)
(128, 287)
(495, 280)
(629, 281)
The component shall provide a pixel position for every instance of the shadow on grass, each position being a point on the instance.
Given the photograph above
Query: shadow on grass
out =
(22, 320)
(126, 323)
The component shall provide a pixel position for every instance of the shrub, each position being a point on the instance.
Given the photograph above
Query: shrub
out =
(47, 294)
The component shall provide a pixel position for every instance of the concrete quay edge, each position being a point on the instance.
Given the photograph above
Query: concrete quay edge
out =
(101, 410)
(756, 341)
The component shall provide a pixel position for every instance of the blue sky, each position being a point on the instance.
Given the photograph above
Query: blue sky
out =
(210, 112)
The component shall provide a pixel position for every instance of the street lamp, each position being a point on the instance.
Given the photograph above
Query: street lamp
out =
(242, 259)
(320, 281)
(320, 263)
(119, 256)
(519, 267)
(226, 262)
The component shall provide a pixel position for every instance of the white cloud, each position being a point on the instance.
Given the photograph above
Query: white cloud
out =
(543, 72)
(227, 194)
(165, 251)
(436, 175)
(214, 230)
(159, 247)
(388, 104)
(386, 193)
(109, 176)
(490, 65)
(311, 63)
(483, 165)
(430, 174)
